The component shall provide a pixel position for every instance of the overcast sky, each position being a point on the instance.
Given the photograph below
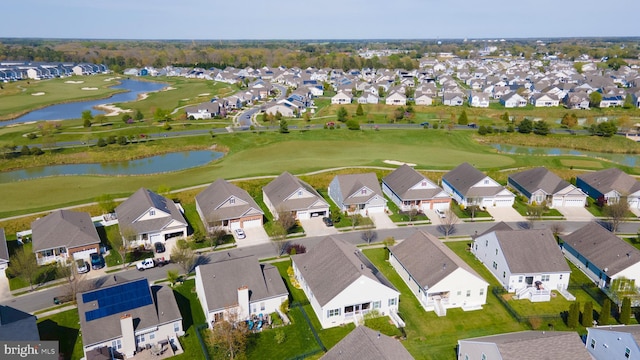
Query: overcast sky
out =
(321, 19)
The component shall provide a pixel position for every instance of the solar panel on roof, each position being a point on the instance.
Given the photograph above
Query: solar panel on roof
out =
(117, 299)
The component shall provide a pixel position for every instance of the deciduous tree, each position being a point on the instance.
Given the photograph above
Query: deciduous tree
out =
(230, 338)
(23, 264)
(616, 212)
(183, 255)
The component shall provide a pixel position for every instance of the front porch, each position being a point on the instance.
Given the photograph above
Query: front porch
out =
(49, 256)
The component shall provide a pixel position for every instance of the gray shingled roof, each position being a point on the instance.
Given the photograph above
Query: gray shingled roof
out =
(611, 179)
(141, 201)
(403, 178)
(164, 309)
(4, 251)
(529, 251)
(284, 186)
(633, 330)
(350, 184)
(219, 192)
(539, 178)
(64, 228)
(428, 260)
(365, 344)
(331, 266)
(602, 248)
(17, 325)
(464, 176)
(222, 279)
(535, 345)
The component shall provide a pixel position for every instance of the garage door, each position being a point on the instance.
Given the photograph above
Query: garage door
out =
(574, 203)
(487, 203)
(441, 206)
(85, 255)
(156, 237)
(235, 224)
(252, 223)
(504, 203)
(376, 209)
(557, 202)
(303, 215)
(634, 203)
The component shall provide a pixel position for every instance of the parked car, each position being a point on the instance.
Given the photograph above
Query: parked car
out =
(441, 213)
(240, 234)
(424, 124)
(97, 261)
(327, 221)
(150, 263)
(57, 300)
(159, 247)
(82, 266)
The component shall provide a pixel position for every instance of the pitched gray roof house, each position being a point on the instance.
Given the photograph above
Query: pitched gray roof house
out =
(350, 185)
(465, 176)
(64, 228)
(605, 181)
(525, 345)
(539, 178)
(161, 212)
(221, 280)
(428, 260)
(364, 343)
(17, 325)
(225, 201)
(403, 179)
(288, 193)
(533, 250)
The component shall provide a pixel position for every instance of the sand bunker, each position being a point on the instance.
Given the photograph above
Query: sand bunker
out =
(89, 88)
(112, 110)
(393, 162)
(74, 82)
(38, 94)
(168, 88)
(204, 94)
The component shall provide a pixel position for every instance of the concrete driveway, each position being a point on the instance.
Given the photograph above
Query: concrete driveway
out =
(576, 213)
(506, 214)
(255, 235)
(316, 227)
(434, 217)
(382, 221)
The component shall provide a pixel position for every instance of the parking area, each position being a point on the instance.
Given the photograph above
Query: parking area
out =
(316, 227)
(576, 213)
(254, 235)
(506, 214)
(382, 221)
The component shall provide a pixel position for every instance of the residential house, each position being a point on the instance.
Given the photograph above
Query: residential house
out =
(613, 342)
(341, 284)
(17, 325)
(4, 251)
(288, 193)
(285, 111)
(513, 100)
(64, 235)
(341, 98)
(545, 100)
(469, 186)
(609, 186)
(601, 255)
(239, 289)
(528, 262)
(525, 345)
(357, 193)
(205, 110)
(478, 99)
(409, 189)
(396, 98)
(146, 218)
(452, 99)
(436, 276)
(125, 317)
(364, 343)
(224, 204)
(539, 185)
(423, 99)
(577, 100)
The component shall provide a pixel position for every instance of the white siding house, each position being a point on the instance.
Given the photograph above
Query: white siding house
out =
(357, 193)
(469, 186)
(409, 189)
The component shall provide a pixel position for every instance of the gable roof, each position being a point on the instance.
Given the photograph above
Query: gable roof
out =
(428, 260)
(141, 201)
(64, 228)
(464, 176)
(17, 325)
(284, 186)
(402, 179)
(531, 250)
(539, 178)
(350, 185)
(611, 179)
(534, 345)
(364, 343)
(216, 194)
(602, 248)
(162, 309)
(221, 280)
(332, 265)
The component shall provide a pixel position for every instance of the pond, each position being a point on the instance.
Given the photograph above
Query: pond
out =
(622, 159)
(73, 110)
(146, 166)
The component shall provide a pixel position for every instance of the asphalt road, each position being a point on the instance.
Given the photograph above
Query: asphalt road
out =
(42, 299)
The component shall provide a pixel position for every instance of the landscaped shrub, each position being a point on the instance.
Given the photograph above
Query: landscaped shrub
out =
(353, 124)
(293, 249)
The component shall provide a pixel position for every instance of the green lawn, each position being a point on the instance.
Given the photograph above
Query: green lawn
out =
(65, 328)
(192, 316)
(523, 208)
(433, 337)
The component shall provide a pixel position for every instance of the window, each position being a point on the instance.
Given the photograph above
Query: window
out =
(459, 293)
(232, 200)
(495, 265)
(627, 352)
(152, 212)
(377, 304)
(546, 277)
(364, 192)
(262, 306)
(486, 181)
(496, 251)
(424, 183)
(140, 338)
(333, 312)
(486, 243)
(152, 336)
(116, 344)
(484, 357)
(393, 301)
(176, 327)
(504, 274)
(520, 278)
(468, 293)
(593, 343)
(560, 276)
(300, 193)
